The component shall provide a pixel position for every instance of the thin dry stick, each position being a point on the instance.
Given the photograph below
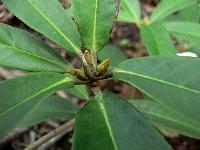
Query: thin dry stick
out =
(50, 135)
(52, 141)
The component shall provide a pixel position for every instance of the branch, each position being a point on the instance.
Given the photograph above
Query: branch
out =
(96, 91)
(52, 141)
(50, 135)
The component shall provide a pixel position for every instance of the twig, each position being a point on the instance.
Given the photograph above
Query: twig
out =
(54, 140)
(50, 135)
(96, 91)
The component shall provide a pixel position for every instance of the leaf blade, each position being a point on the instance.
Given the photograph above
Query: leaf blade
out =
(157, 77)
(167, 7)
(21, 50)
(113, 121)
(157, 40)
(24, 92)
(130, 11)
(169, 118)
(54, 107)
(51, 20)
(186, 30)
(79, 91)
(95, 30)
(114, 53)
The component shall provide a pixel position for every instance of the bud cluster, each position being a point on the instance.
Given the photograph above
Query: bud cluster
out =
(97, 70)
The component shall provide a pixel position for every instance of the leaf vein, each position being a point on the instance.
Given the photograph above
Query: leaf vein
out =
(34, 95)
(158, 80)
(105, 115)
(54, 26)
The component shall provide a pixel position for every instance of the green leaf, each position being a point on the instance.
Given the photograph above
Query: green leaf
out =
(69, 12)
(188, 14)
(49, 18)
(165, 116)
(171, 81)
(53, 107)
(114, 53)
(108, 122)
(21, 95)
(167, 7)
(187, 31)
(130, 11)
(157, 40)
(21, 50)
(79, 91)
(94, 19)
(195, 50)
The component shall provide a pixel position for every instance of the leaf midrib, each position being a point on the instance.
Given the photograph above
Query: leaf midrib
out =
(154, 37)
(105, 115)
(157, 100)
(163, 11)
(31, 54)
(158, 80)
(131, 12)
(172, 120)
(185, 33)
(95, 26)
(160, 102)
(54, 26)
(156, 42)
(169, 108)
(34, 95)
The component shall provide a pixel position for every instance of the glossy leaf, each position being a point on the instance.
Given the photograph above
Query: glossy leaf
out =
(53, 107)
(108, 122)
(162, 115)
(167, 7)
(114, 53)
(21, 50)
(171, 81)
(20, 96)
(130, 11)
(187, 31)
(49, 18)
(157, 40)
(79, 91)
(94, 19)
